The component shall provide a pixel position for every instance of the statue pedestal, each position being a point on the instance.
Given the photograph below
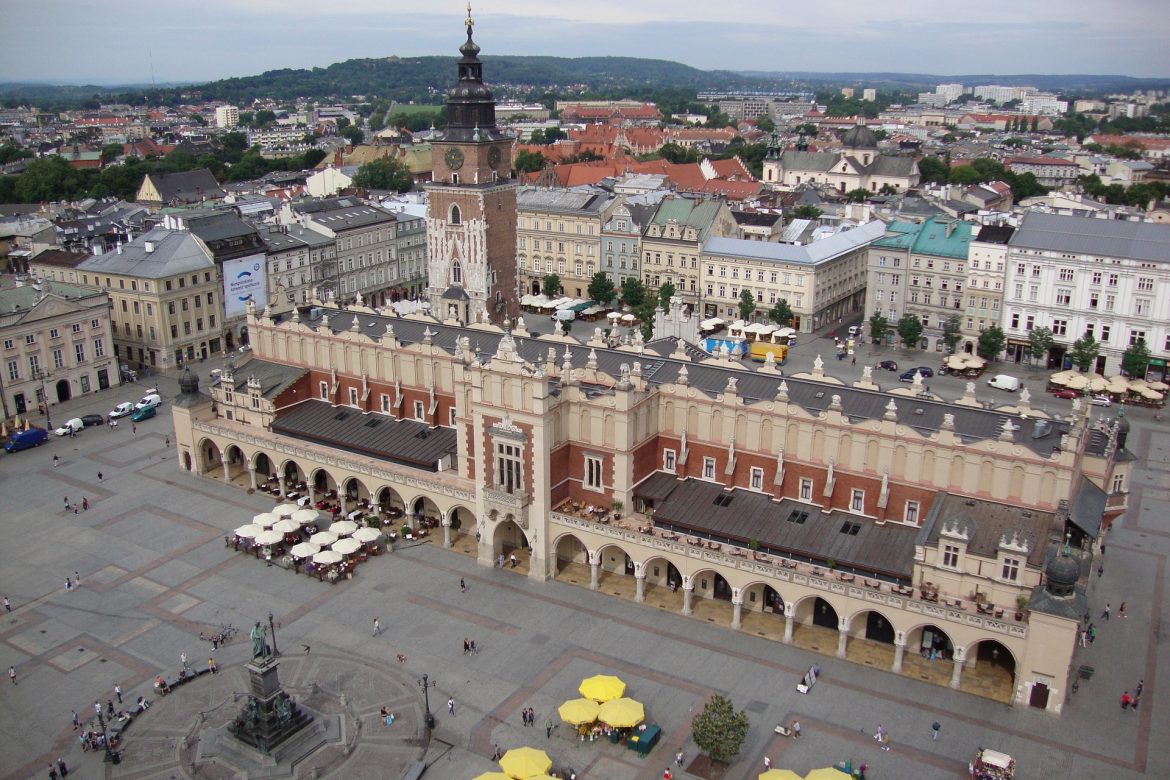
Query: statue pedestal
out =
(270, 717)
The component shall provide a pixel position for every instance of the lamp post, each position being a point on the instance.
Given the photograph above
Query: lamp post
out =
(272, 631)
(426, 685)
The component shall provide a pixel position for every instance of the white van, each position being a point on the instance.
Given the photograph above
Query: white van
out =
(564, 315)
(1004, 382)
(70, 427)
(152, 399)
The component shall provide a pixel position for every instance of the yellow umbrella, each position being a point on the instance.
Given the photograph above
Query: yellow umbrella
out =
(602, 687)
(779, 774)
(578, 711)
(622, 713)
(1078, 382)
(826, 773)
(1057, 379)
(522, 763)
(492, 776)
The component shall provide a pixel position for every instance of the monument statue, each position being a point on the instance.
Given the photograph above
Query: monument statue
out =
(260, 641)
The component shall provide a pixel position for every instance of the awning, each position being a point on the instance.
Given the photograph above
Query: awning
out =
(580, 307)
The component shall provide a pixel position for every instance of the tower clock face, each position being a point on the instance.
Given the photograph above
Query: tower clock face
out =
(494, 156)
(454, 159)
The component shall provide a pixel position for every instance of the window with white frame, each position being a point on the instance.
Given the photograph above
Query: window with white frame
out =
(1118, 483)
(384, 402)
(418, 410)
(911, 513)
(1010, 570)
(593, 472)
(668, 460)
(353, 396)
(757, 478)
(857, 501)
(806, 488)
(509, 474)
(950, 556)
(323, 389)
(452, 414)
(708, 468)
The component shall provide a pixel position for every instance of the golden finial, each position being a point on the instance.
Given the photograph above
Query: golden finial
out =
(469, 21)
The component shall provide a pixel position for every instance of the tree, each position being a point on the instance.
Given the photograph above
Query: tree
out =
(354, 134)
(601, 288)
(674, 153)
(1136, 359)
(385, 173)
(111, 152)
(858, 195)
(909, 330)
(665, 293)
(719, 730)
(551, 286)
(991, 342)
(529, 162)
(766, 125)
(747, 304)
(633, 292)
(878, 327)
(808, 128)
(806, 212)
(952, 332)
(781, 313)
(1084, 351)
(1040, 340)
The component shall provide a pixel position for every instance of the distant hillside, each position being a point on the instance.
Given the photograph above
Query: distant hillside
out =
(1060, 83)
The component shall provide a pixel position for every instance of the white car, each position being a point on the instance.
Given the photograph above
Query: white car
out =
(1101, 400)
(70, 427)
(121, 410)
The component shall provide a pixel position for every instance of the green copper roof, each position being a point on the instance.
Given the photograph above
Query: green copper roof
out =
(935, 237)
(698, 214)
(899, 235)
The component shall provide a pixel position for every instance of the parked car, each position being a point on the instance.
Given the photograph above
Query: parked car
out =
(1101, 400)
(89, 420)
(1067, 394)
(889, 365)
(926, 371)
(908, 375)
(144, 413)
(1004, 382)
(70, 427)
(149, 400)
(854, 331)
(24, 440)
(121, 410)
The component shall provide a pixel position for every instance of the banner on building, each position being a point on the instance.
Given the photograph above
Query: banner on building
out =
(243, 280)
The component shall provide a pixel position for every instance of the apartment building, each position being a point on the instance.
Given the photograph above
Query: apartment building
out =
(1049, 171)
(821, 281)
(296, 260)
(366, 246)
(57, 345)
(1078, 275)
(986, 261)
(559, 232)
(674, 239)
(412, 254)
(920, 269)
(227, 116)
(621, 237)
(167, 299)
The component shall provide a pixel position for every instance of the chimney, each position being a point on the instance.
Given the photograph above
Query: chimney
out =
(149, 247)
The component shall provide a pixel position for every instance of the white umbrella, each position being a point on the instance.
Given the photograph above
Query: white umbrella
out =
(614, 315)
(1161, 386)
(285, 510)
(287, 526)
(265, 519)
(304, 550)
(365, 535)
(248, 531)
(628, 318)
(1077, 382)
(1060, 379)
(347, 546)
(327, 556)
(343, 527)
(1153, 395)
(306, 516)
(1097, 383)
(269, 537)
(323, 539)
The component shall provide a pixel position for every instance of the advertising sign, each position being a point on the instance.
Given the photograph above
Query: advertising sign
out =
(243, 279)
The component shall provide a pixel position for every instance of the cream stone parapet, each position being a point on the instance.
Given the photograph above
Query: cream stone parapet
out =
(778, 573)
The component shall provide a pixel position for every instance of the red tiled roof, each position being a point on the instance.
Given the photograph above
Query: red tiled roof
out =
(1038, 161)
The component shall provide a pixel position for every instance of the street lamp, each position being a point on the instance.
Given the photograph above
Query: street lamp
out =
(272, 631)
(426, 685)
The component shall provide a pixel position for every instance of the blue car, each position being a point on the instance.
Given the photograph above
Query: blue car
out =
(145, 413)
(24, 440)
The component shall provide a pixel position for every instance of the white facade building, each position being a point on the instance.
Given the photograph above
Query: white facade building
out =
(227, 116)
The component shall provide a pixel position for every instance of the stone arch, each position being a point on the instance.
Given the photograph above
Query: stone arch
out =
(1048, 488)
(818, 444)
(210, 457)
(899, 469)
(1016, 485)
(661, 572)
(872, 457)
(928, 640)
(237, 461)
(956, 477)
(616, 560)
(872, 624)
(507, 537)
(324, 484)
(928, 462)
(354, 491)
(762, 596)
(424, 507)
(817, 610)
(389, 499)
(570, 554)
(995, 667)
(460, 518)
(986, 475)
(711, 584)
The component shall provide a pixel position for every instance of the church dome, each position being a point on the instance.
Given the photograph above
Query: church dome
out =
(188, 382)
(1062, 573)
(860, 137)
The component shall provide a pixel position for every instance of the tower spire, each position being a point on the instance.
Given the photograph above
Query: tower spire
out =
(470, 22)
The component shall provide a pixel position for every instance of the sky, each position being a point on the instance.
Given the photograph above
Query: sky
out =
(137, 41)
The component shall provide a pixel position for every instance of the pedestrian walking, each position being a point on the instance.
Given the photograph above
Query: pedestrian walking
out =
(1092, 633)
(183, 660)
(767, 763)
(377, 627)
(1105, 613)
(52, 772)
(7, 605)
(134, 428)
(75, 720)
(61, 767)
(12, 674)
(1141, 686)
(877, 735)
(513, 560)
(854, 360)
(466, 645)
(1084, 637)
(100, 477)
(1121, 610)
(118, 693)
(500, 560)
(666, 775)
(68, 585)
(212, 666)
(548, 724)
(473, 651)
(1125, 700)
(934, 727)
(97, 707)
(56, 461)
(678, 758)
(167, 441)
(886, 742)
(109, 708)
(451, 705)
(1100, 569)
(796, 730)
(462, 586)
(67, 507)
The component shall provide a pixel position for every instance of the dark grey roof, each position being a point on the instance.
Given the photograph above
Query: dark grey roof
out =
(408, 442)
(359, 216)
(273, 377)
(1070, 608)
(454, 293)
(1088, 507)
(656, 487)
(793, 160)
(986, 522)
(186, 187)
(173, 252)
(219, 225)
(885, 165)
(1090, 236)
(995, 234)
(744, 515)
(924, 416)
(757, 218)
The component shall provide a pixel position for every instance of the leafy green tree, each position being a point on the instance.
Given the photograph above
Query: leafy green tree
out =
(909, 330)
(10, 152)
(354, 134)
(806, 212)
(719, 730)
(665, 293)
(781, 313)
(952, 332)
(633, 292)
(251, 166)
(765, 124)
(991, 342)
(601, 288)
(1040, 340)
(807, 129)
(1084, 351)
(550, 286)
(385, 173)
(342, 122)
(311, 157)
(878, 327)
(111, 152)
(1136, 359)
(237, 142)
(529, 162)
(674, 153)
(747, 304)
(858, 195)
(264, 118)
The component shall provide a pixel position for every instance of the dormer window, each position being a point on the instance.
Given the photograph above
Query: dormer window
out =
(950, 556)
